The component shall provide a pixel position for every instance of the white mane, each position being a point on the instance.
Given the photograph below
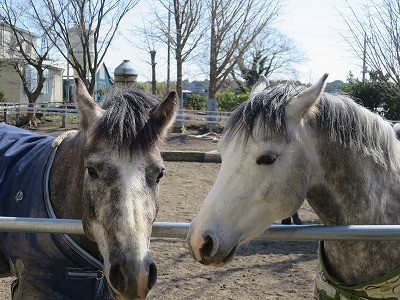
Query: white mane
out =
(356, 127)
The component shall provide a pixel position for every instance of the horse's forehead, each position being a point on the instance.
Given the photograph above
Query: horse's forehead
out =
(257, 141)
(111, 154)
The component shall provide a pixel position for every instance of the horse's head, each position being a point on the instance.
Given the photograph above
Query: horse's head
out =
(122, 167)
(267, 163)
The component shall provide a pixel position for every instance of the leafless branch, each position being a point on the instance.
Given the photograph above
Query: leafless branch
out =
(234, 27)
(380, 24)
(82, 31)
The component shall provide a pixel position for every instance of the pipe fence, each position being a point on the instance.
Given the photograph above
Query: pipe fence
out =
(180, 230)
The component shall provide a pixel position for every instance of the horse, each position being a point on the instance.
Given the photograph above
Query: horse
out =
(288, 143)
(106, 173)
(296, 219)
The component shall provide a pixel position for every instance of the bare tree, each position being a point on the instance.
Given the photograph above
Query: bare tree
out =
(272, 52)
(234, 27)
(25, 51)
(147, 39)
(375, 37)
(185, 34)
(82, 30)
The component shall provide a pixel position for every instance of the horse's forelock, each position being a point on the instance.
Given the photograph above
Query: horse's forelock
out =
(126, 122)
(266, 108)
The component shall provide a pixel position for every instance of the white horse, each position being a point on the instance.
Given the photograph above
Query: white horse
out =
(287, 143)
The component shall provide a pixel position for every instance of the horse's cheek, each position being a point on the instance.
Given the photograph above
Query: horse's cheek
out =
(89, 211)
(295, 179)
(301, 180)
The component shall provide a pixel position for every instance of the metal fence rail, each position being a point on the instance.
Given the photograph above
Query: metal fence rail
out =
(180, 230)
(59, 109)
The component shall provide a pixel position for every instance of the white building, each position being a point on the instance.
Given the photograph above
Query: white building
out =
(10, 82)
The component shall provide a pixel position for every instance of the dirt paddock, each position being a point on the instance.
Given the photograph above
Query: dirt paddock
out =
(261, 270)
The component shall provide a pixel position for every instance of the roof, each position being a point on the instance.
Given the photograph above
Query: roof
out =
(2, 24)
(125, 68)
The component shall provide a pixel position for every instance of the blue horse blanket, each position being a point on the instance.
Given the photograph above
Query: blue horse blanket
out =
(47, 266)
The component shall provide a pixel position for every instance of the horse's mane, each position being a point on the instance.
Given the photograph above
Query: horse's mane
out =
(126, 121)
(268, 107)
(337, 116)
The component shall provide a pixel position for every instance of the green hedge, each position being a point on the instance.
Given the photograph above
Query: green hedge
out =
(383, 98)
(228, 101)
(195, 102)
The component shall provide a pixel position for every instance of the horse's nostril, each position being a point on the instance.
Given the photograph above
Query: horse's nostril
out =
(152, 276)
(207, 248)
(117, 278)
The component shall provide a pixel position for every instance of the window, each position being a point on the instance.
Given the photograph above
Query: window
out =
(31, 77)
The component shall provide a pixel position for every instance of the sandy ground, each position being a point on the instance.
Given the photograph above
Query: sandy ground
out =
(261, 270)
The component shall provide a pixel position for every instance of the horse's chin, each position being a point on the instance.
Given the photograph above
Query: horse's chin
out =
(226, 260)
(115, 295)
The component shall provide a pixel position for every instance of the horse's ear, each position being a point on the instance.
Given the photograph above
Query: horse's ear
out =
(297, 108)
(261, 84)
(89, 110)
(164, 114)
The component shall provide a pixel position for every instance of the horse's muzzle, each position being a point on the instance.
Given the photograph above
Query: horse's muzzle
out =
(208, 251)
(125, 284)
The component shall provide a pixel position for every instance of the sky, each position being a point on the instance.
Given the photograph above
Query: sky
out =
(315, 26)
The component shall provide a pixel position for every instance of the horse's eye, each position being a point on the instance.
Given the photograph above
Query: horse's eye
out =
(160, 175)
(266, 159)
(92, 172)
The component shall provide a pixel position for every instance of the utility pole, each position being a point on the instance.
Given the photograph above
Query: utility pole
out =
(364, 68)
(169, 49)
(67, 83)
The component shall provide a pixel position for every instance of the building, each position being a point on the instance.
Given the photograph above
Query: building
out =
(10, 82)
(104, 81)
(196, 87)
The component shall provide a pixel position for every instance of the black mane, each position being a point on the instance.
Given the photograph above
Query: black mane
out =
(127, 120)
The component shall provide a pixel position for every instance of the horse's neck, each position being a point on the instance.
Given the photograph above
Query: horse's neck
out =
(66, 186)
(352, 189)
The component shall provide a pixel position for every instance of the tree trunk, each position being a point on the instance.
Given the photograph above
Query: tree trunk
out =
(29, 118)
(91, 84)
(179, 124)
(32, 97)
(179, 73)
(212, 88)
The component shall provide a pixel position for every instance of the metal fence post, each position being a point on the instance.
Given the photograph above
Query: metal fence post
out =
(64, 116)
(5, 113)
(17, 111)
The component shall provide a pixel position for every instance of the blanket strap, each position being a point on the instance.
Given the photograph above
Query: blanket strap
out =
(73, 273)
